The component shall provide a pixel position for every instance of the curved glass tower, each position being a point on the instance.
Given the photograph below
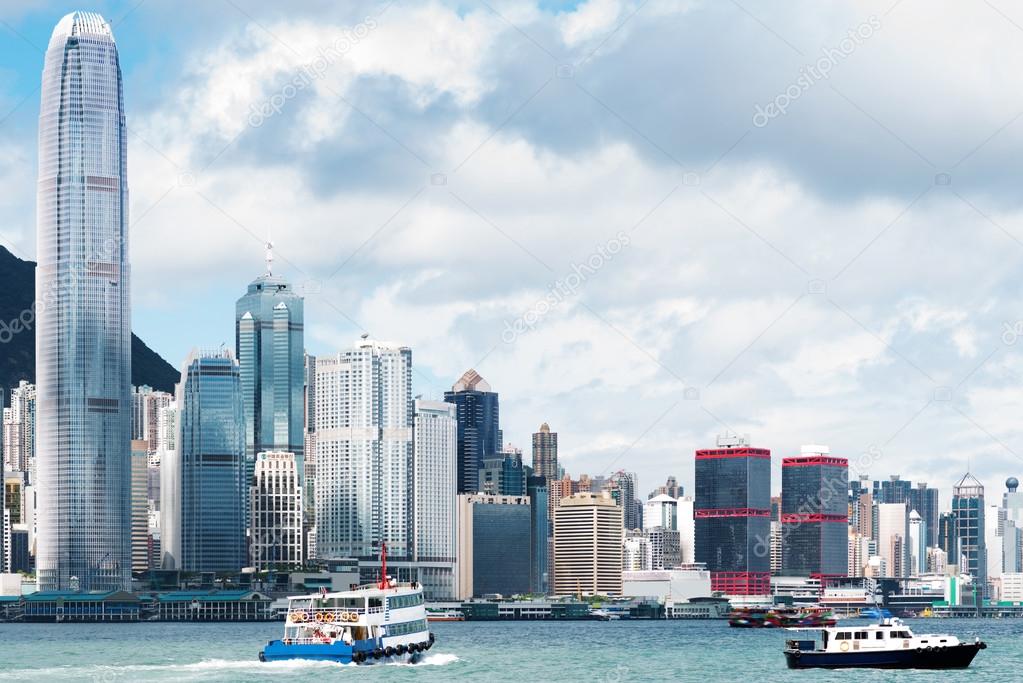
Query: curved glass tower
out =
(83, 334)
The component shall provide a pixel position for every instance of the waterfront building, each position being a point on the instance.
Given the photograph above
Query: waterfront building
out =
(815, 514)
(893, 523)
(83, 333)
(364, 422)
(588, 532)
(203, 481)
(269, 331)
(1012, 527)
(679, 584)
(540, 537)
(493, 545)
(775, 548)
(968, 507)
(732, 513)
(859, 553)
(660, 511)
(435, 486)
(545, 452)
(275, 518)
(139, 505)
(479, 432)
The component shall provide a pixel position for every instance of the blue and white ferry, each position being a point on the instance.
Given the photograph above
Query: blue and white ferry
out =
(377, 622)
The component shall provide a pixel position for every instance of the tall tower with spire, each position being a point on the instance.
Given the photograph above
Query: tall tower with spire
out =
(83, 332)
(269, 343)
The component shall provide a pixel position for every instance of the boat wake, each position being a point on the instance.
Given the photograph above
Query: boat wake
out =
(209, 669)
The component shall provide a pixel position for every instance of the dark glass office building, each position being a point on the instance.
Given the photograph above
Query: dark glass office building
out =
(925, 501)
(732, 511)
(815, 515)
(479, 433)
(968, 508)
(500, 528)
(540, 533)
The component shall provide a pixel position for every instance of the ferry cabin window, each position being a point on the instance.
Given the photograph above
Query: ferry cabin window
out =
(861, 635)
(376, 602)
(842, 635)
(880, 635)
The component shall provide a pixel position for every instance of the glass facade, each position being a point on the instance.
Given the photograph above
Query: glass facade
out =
(204, 482)
(540, 534)
(815, 516)
(500, 548)
(732, 511)
(479, 434)
(83, 331)
(968, 509)
(269, 345)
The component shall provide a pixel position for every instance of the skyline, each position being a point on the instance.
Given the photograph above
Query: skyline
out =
(887, 334)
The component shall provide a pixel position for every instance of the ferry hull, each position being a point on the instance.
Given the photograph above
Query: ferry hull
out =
(362, 652)
(954, 657)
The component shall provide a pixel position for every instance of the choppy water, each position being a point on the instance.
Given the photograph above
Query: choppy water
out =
(595, 652)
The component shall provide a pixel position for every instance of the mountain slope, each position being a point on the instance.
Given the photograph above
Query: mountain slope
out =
(18, 345)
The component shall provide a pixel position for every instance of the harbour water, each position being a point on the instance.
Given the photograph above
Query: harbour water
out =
(596, 652)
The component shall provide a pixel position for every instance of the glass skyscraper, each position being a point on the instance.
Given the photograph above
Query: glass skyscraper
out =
(732, 516)
(269, 347)
(203, 482)
(815, 514)
(479, 433)
(968, 508)
(83, 331)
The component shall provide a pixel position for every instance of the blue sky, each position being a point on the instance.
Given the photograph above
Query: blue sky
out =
(794, 221)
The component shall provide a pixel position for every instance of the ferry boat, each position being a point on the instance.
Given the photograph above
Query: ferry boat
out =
(377, 622)
(445, 615)
(792, 617)
(889, 644)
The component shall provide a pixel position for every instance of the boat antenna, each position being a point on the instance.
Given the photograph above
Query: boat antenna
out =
(383, 565)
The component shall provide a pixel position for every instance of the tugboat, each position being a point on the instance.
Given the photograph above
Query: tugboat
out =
(383, 621)
(889, 644)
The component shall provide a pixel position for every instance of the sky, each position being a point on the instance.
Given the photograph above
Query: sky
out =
(646, 223)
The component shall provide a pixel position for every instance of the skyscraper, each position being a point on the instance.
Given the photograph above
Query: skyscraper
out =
(83, 326)
(968, 508)
(588, 536)
(732, 516)
(203, 482)
(479, 432)
(19, 428)
(539, 534)
(893, 522)
(269, 347)
(434, 483)
(622, 486)
(545, 452)
(275, 501)
(925, 501)
(139, 505)
(815, 514)
(364, 416)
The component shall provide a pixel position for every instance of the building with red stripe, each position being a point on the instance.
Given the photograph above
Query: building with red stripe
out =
(815, 514)
(732, 510)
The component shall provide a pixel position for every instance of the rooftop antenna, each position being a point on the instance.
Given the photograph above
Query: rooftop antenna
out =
(269, 254)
